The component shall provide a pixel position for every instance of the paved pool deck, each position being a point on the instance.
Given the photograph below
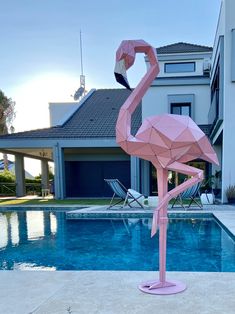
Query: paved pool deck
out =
(114, 292)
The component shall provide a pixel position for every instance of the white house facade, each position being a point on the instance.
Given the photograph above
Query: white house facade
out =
(222, 84)
(182, 87)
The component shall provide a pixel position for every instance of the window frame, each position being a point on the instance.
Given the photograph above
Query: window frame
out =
(180, 63)
(180, 105)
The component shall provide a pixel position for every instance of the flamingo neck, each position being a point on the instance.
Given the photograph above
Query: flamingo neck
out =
(123, 126)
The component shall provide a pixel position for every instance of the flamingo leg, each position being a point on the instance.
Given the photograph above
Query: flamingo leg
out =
(162, 175)
(160, 219)
(162, 286)
(197, 176)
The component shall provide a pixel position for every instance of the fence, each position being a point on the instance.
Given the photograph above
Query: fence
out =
(9, 188)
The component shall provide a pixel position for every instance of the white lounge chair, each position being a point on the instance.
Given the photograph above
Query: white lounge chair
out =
(127, 196)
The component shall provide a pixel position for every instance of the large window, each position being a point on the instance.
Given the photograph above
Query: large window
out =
(181, 109)
(174, 178)
(179, 67)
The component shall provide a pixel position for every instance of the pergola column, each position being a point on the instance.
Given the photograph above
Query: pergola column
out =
(135, 173)
(145, 177)
(20, 175)
(45, 174)
(59, 172)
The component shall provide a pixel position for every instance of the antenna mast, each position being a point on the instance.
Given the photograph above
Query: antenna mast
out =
(81, 51)
(81, 90)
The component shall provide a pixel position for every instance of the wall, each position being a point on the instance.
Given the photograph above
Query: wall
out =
(228, 171)
(219, 31)
(198, 69)
(60, 111)
(155, 101)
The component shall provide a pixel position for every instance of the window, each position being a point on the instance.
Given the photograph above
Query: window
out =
(179, 67)
(181, 109)
(174, 178)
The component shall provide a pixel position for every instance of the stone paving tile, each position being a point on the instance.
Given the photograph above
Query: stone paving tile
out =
(24, 291)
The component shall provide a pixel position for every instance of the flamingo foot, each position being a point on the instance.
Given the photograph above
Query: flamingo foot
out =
(166, 287)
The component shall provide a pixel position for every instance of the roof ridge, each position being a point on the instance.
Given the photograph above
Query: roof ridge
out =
(110, 88)
(183, 47)
(184, 43)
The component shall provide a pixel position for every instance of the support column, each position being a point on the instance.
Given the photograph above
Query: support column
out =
(135, 173)
(20, 175)
(59, 172)
(45, 174)
(145, 177)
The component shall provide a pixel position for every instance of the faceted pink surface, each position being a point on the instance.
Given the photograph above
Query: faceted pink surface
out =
(167, 141)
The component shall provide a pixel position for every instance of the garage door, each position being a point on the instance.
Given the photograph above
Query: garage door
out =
(86, 178)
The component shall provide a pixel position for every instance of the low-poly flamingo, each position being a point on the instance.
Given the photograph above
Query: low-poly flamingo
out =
(167, 141)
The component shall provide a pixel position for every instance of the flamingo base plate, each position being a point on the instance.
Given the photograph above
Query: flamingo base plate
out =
(171, 287)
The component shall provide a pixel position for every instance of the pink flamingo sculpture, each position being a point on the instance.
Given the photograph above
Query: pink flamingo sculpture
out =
(167, 141)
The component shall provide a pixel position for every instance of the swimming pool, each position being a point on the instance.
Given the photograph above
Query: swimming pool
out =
(45, 240)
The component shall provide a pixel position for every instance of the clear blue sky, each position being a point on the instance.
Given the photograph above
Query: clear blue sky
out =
(40, 55)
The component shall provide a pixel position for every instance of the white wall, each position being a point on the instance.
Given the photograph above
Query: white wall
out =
(219, 30)
(155, 101)
(198, 68)
(228, 170)
(60, 111)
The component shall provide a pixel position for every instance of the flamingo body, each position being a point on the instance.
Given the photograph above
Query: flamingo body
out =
(167, 138)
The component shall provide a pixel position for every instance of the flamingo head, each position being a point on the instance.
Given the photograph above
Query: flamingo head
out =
(125, 57)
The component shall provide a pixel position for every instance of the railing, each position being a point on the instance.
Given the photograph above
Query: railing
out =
(7, 189)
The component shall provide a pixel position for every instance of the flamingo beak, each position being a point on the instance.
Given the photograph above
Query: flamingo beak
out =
(120, 74)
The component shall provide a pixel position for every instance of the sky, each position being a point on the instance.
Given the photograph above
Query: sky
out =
(40, 48)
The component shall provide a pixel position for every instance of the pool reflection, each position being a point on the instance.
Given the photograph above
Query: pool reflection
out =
(18, 227)
(46, 240)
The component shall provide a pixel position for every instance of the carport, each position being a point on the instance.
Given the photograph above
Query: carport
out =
(83, 149)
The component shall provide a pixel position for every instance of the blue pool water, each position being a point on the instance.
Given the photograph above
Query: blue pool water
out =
(46, 240)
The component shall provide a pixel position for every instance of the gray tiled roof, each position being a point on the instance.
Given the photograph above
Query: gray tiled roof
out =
(183, 48)
(96, 118)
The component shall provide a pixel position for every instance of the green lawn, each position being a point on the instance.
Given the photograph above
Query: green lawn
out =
(53, 202)
(88, 201)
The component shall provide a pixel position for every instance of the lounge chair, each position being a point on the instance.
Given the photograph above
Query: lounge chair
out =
(127, 196)
(192, 194)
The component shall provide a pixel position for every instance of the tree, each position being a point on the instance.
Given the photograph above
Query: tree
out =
(7, 115)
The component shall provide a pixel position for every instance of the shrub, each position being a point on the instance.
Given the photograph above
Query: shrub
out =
(230, 192)
(7, 176)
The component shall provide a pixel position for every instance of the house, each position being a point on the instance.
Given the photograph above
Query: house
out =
(195, 80)
(182, 87)
(81, 144)
(81, 140)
